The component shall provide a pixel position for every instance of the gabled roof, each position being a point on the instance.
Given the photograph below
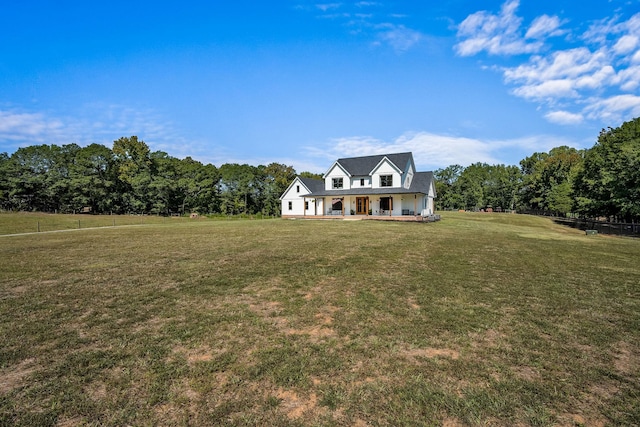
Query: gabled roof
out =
(362, 166)
(312, 185)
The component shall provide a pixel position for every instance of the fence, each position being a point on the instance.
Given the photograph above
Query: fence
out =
(604, 227)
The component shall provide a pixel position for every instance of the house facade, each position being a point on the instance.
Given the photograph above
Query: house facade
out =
(380, 185)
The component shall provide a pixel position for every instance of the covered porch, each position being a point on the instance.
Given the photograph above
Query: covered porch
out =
(403, 206)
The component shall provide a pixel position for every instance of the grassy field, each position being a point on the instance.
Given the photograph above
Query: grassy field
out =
(27, 222)
(479, 319)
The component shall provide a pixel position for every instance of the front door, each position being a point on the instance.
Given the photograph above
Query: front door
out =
(361, 205)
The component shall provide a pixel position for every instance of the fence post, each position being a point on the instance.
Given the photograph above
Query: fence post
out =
(78, 224)
(38, 226)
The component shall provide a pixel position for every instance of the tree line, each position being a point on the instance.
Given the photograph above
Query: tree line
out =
(603, 181)
(130, 178)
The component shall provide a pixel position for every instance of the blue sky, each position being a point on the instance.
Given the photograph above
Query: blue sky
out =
(303, 83)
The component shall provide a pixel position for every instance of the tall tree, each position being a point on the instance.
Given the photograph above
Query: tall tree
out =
(92, 179)
(548, 179)
(277, 178)
(609, 182)
(5, 187)
(446, 181)
(134, 165)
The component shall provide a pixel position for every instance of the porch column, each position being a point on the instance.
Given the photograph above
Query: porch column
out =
(415, 204)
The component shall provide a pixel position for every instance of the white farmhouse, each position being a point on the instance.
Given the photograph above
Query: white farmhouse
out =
(381, 185)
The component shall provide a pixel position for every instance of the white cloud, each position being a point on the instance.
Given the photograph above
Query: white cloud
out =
(432, 151)
(564, 117)
(595, 76)
(571, 63)
(547, 90)
(30, 128)
(630, 78)
(626, 44)
(501, 34)
(615, 108)
(544, 26)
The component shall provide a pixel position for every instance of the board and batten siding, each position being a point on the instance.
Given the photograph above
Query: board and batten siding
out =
(386, 168)
(337, 172)
(292, 202)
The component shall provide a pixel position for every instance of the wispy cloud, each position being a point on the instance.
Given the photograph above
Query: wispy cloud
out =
(328, 6)
(433, 151)
(591, 80)
(363, 19)
(95, 123)
(18, 127)
(399, 37)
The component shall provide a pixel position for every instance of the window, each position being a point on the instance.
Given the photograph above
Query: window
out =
(386, 180)
(361, 182)
(336, 183)
(290, 206)
(297, 188)
(306, 206)
(386, 203)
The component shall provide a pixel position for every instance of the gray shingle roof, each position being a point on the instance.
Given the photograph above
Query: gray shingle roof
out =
(313, 185)
(362, 166)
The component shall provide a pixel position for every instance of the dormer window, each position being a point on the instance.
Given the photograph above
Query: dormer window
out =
(386, 180)
(361, 182)
(336, 183)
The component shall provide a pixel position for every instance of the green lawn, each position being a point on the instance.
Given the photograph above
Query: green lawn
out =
(479, 319)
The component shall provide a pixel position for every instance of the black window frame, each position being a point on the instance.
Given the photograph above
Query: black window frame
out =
(386, 180)
(337, 183)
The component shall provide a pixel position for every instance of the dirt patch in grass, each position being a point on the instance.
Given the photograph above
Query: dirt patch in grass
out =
(413, 304)
(626, 362)
(97, 391)
(579, 420)
(315, 333)
(269, 310)
(526, 373)
(430, 353)
(15, 376)
(197, 355)
(491, 338)
(452, 422)
(294, 405)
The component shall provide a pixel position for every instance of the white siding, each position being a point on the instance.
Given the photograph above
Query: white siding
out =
(386, 168)
(356, 182)
(293, 198)
(336, 172)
